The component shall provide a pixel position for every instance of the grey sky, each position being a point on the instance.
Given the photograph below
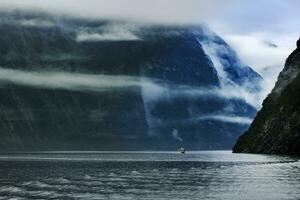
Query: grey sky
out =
(236, 15)
(159, 11)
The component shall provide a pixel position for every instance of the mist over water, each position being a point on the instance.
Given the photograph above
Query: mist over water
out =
(148, 175)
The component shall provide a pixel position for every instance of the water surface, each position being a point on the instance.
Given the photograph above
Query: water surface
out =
(148, 175)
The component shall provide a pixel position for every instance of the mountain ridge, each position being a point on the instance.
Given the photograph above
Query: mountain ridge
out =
(78, 84)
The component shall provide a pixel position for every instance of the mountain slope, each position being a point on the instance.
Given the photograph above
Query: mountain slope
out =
(81, 84)
(276, 129)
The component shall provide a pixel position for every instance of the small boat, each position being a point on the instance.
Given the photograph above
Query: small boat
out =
(181, 150)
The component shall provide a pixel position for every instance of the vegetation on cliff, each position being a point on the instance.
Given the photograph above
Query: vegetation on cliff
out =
(276, 128)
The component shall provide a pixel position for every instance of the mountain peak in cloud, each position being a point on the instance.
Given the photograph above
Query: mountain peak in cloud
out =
(155, 92)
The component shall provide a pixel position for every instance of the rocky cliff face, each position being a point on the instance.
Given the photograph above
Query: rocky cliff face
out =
(81, 84)
(276, 129)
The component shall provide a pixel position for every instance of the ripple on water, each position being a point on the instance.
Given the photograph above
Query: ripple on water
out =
(43, 194)
(135, 173)
(87, 177)
(11, 189)
(151, 180)
(112, 174)
(38, 184)
(61, 180)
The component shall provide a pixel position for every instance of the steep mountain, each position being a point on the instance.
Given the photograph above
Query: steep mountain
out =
(82, 84)
(276, 128)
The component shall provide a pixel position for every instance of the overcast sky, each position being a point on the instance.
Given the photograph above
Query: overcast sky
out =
(248, 25)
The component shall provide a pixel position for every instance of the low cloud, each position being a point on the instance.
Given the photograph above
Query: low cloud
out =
(268, 60)
(152, 89)
(229, 119)
(72, 81)
(154, 11)
(112, 32)
(94, 37)
(36, 23)
(226, 91)
(256, 51)
(264, 56)
(211, 49)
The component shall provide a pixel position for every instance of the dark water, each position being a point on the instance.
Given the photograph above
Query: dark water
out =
(148, 175)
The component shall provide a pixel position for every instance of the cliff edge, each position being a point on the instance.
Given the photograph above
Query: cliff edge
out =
(276, 128)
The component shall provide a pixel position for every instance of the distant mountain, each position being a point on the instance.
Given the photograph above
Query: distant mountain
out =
(82, 84)
(276, 129)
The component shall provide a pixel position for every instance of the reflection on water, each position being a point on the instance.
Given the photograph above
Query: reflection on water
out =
(148, 175)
